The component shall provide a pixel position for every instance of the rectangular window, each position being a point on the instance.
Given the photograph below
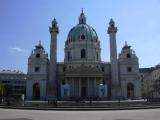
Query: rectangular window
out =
(129, 69)
(37, 69)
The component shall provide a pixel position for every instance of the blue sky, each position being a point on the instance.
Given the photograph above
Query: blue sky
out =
(24, 22)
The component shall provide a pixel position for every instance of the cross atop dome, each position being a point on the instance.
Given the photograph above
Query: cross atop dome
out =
(81, 10)
(39, 42)
(126, 43)
(82, 18)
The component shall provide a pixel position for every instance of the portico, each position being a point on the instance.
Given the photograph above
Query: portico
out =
(83, 82)
(83, 86)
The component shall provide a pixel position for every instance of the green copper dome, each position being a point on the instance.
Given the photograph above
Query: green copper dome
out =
(82, 31)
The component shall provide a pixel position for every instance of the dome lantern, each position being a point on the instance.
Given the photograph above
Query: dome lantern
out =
(82, 18)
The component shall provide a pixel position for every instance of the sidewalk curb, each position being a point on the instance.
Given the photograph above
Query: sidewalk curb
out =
(79, 109)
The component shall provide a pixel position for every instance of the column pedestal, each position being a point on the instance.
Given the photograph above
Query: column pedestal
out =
(115, 92)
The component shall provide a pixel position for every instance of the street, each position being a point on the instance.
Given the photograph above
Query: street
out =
(144, 114)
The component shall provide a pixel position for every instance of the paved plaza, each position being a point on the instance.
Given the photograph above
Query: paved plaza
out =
(144, 114)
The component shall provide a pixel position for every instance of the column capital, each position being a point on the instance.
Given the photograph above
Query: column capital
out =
(112, 28)
(54, 27)
(55, 30)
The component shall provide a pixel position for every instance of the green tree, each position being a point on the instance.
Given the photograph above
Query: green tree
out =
(156, 87)
(5, 90)
(2, 89)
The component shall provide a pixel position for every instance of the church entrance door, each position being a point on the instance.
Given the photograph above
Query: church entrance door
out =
(83, 87)
(83, 92)
(36, 91)
(130, 91)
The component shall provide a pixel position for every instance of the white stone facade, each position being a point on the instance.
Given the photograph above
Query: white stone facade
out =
(30, 86)
(129, 73)
(37, 74)
(83, 74)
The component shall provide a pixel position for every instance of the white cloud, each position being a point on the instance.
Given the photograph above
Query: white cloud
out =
(17, 49)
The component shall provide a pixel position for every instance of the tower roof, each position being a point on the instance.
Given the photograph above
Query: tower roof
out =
(39, 46)
(54, 22)
(111, 23)
(126, 46)
(112, 28)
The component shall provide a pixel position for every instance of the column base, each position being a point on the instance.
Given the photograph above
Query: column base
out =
(51, 98)
(115, 92)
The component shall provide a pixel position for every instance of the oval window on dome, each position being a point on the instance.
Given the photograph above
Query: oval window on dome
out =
(82, 37)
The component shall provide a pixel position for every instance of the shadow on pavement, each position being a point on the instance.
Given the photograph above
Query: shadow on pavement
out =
(17, 119)
(124, 119)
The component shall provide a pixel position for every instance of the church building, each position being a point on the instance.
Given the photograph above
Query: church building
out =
(83, 75)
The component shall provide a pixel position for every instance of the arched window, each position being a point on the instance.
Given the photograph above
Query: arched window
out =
(128, 55)
(83, 53)
(63, 82)
(82, 20)
(64, 69)
(37, 55)
(102, 69)
(69, 40)
(130, 91)
(82, 37)
(68, 55)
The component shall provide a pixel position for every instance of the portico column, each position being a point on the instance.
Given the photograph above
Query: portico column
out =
(72, 86)
(95, 89)
(88, 92)
(79, 87)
